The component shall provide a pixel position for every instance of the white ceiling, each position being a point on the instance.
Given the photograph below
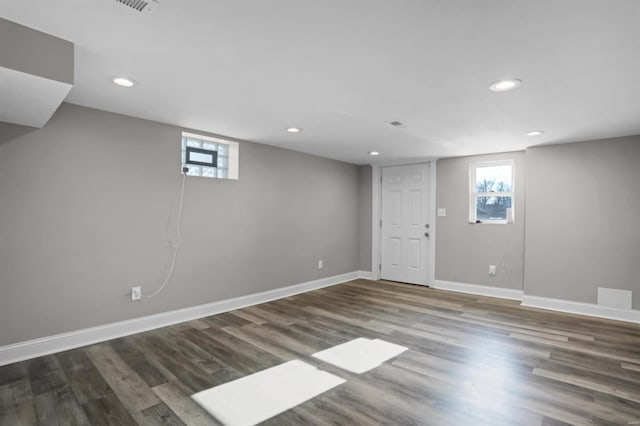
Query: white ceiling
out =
(341, 69)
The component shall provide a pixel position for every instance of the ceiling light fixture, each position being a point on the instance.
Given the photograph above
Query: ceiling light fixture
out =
(535, 133)
(505, 85)
(124, 82)
(374, 153)
(294, 130)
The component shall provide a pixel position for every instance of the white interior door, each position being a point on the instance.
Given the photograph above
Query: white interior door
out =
(405, 223)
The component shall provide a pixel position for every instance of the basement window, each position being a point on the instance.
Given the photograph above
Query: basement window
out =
(209, 157)
(491, 192)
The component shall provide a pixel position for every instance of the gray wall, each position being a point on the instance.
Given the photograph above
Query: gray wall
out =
(33, 52)
(84, 207)
(365, 201)
(464, 250)
(583, 232)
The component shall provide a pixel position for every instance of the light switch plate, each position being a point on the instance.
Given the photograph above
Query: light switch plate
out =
(442, 212)
(136, 293)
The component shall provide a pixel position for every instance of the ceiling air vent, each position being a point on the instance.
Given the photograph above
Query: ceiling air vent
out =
(139, 5)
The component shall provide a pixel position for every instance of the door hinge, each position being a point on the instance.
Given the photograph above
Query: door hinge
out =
(380, 267)
(381, 224)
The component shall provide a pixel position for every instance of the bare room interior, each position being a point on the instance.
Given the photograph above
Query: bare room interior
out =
(355, 212)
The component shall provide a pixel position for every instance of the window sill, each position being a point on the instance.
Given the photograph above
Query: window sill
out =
(493, 222)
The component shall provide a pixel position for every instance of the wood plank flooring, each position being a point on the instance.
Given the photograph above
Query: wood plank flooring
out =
(472, 361)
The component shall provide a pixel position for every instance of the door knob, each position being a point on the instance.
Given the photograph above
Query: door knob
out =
(426, 234)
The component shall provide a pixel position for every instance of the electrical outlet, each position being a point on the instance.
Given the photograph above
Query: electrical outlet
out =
(492, 270)
(136, 293)
(320, 264)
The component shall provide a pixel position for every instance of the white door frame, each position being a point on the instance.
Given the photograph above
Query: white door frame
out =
(376, 215)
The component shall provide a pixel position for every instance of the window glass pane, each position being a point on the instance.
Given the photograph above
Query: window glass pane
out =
(492, 208)
(200, 157)
(494, 178)
(194, 170)
(222, 173)
(210, 146)
(194, 143)
(223, 149)
(208, 172)
(223, 162)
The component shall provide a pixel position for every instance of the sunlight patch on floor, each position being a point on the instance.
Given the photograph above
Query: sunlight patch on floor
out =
(262, 395)
(360, 355)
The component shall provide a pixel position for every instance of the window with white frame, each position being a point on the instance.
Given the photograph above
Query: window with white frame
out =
(491, 192)
(209, 157)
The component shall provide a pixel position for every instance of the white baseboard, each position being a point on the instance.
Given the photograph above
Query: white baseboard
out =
(566, 306)
(579, 308)
(367, 275)
(482, 290)
(74, 339)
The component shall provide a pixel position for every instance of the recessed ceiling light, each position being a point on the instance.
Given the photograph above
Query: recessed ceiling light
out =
(374, 153)
(294, 130)
(124, 82)
(535, 133)
(504, 85)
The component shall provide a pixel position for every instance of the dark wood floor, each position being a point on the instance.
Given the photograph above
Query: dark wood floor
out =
(472, 361)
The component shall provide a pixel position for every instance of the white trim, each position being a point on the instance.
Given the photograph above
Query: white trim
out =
(366, 275)
(74, 339)
(432, 223)
(389, 163)
(580, 308)
(202, 137)
(565, 306)
(376, 216)
(233, 168)
(482, 290)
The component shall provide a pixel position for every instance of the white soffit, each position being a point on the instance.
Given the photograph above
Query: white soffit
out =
(36, 74)
(27, 99)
